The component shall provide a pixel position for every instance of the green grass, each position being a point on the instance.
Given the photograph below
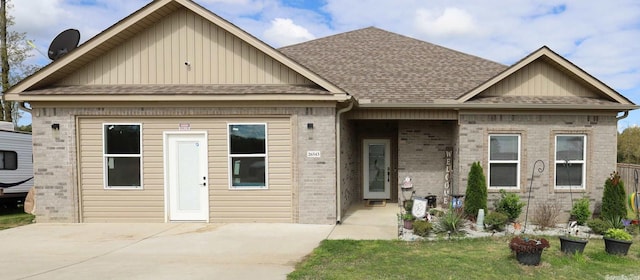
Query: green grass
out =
(10, 218)
(481, 258)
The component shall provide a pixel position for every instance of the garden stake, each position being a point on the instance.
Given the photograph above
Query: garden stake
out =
(533, 172)
(636, 202)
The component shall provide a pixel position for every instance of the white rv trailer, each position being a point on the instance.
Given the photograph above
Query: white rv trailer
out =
(16, 164)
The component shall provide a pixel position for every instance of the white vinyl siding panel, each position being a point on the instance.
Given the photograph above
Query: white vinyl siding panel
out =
(540, 78)
(147, 205)
(157, 55)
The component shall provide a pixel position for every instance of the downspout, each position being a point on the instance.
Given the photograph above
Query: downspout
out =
(338, 163)
(24, 108)
(624, 115)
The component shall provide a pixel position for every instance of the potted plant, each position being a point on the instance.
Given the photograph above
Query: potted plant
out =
(571, 244)
(617, 241)
(408, 219)
(528, 251)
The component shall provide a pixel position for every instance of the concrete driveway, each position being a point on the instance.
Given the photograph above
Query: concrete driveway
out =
(156, 251)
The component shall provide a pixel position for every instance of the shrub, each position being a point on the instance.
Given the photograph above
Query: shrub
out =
(496, 221)
(476, 193)
(408, 205)
(436, 212)
(580, 210)
(509, 204)
(546, 215)
(422, 228)
(616, 233)
(598, 226)
(452, 222)
(408, 217)
(613, 198)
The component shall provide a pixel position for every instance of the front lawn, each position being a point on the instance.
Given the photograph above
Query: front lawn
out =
(10, 218)
(479, 258)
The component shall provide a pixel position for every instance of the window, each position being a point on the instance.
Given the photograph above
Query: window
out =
(504, 161)
(570, 161)
(8, 160)
(247, 155)
(122, 155)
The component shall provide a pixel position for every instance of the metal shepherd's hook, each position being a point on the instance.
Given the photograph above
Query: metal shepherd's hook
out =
(636, 200)
(533, 172)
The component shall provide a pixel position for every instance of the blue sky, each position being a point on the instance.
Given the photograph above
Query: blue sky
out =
(601, 37)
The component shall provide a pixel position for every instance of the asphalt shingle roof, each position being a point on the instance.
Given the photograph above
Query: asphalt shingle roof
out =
(383, 67)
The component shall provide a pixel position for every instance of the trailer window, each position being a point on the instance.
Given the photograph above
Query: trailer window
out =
(8, 160)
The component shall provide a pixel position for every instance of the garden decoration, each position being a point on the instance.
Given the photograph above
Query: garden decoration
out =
(617, 241)
(635, 199)
(572, 244)
(528, 251)
(533, 172)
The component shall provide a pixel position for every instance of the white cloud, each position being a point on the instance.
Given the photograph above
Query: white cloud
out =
(601, 37)
(451, 22)
(284, 32)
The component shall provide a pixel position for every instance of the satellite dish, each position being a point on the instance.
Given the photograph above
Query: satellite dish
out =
(64, 43)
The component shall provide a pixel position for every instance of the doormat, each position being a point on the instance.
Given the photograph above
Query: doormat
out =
(375, 203)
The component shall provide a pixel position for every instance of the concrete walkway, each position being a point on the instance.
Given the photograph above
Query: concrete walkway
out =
(368, 223)
(156, 251)
(178, 250)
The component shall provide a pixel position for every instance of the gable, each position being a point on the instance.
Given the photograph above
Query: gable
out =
(544, 79)
(159, 54)
(540, 78)
(169, 44)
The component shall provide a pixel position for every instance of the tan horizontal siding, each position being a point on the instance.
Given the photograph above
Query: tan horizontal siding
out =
(124, 220)
(157, 55)
(147, 204)
(540, 78)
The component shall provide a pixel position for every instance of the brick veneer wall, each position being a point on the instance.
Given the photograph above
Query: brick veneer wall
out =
(421, 151)
(317, 177)
(55, 158)
(537, 143)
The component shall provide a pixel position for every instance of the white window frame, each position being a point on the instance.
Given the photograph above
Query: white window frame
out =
(516, 161)
(562, 161)
(265, 155)
(105, 156)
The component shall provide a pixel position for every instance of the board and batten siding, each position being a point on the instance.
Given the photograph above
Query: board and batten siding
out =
(148, 205)
(540, 78)
(157, 55)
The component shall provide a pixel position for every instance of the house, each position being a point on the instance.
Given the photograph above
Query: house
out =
(174, 114)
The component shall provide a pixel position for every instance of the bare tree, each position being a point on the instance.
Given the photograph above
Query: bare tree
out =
(14, 51)
(4, 61)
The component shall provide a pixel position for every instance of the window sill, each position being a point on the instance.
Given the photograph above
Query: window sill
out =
(497, 190)
(124, 188)
(247, 188)
(570, 191)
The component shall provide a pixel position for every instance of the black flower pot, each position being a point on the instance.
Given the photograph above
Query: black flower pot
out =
(616, 246)
(529, 258)
(572, 246)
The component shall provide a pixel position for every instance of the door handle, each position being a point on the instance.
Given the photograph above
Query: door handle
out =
(388, 173)
(204, 183)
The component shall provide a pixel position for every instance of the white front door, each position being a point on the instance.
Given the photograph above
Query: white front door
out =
(376, 169)
(187, 184)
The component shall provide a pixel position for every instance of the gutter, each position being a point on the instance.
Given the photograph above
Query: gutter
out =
(24, 108)
(460, 106)
(338, 162)
(624, 115)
